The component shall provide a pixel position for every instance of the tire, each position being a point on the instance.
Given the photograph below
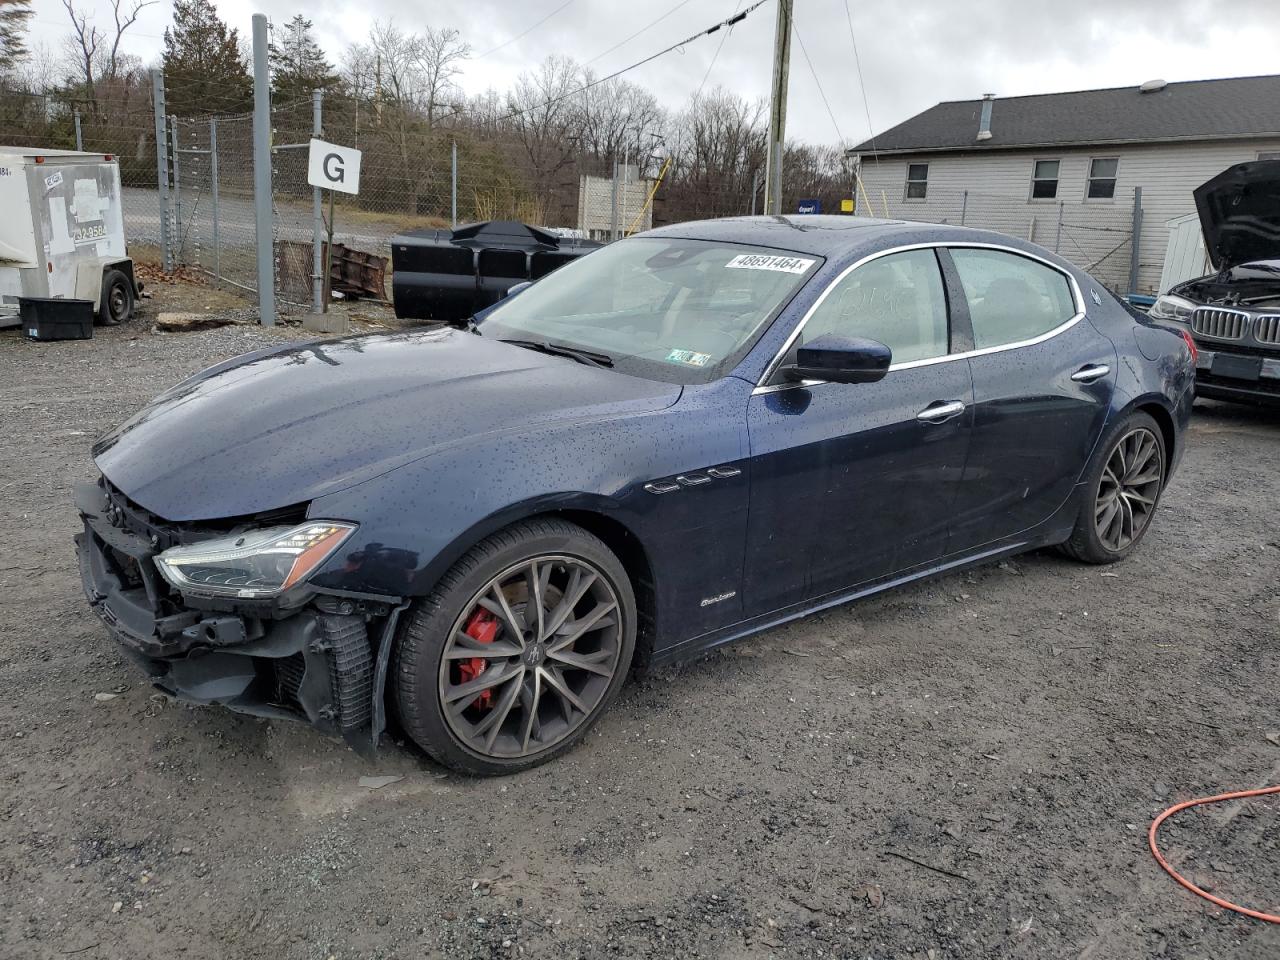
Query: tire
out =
(1095, 538)
(117, 302)
(435, 679)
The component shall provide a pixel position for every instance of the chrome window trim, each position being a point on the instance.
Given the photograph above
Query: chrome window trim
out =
(1076, 295)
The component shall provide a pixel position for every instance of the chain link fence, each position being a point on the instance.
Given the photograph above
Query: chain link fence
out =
(423, 175)
(1097, 237)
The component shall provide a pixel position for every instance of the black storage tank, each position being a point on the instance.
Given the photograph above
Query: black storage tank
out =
(450, 274)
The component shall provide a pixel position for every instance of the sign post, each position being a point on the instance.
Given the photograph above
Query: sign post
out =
(332, 168)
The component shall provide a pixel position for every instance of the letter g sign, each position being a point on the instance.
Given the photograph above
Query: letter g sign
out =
(333, 167)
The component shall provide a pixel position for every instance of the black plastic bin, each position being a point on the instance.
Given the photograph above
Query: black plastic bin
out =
(451, 274)
(56, 318)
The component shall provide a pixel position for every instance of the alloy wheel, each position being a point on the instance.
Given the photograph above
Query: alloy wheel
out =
(1129, 489)
(531, 656)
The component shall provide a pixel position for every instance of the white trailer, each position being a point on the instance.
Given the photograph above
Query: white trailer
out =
(62, 232)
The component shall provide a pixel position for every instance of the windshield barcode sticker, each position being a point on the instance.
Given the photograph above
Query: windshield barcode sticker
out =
(759, 261)
(689, 358)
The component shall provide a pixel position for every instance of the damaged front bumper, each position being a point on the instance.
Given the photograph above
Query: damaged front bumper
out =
(307, 655)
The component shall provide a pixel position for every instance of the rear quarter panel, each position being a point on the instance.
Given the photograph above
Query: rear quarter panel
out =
(1156, 368)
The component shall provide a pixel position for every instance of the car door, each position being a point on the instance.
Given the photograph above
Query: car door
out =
(1043, 377)
(851, 482)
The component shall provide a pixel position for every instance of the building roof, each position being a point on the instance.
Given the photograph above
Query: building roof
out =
(1191, 110)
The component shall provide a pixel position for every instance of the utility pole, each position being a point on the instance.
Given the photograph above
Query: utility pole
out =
(778, 110)
(262, 174)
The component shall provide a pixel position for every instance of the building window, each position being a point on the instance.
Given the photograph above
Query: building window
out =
(1102, 178)
(1044, 180)
(1275, 155)
(917, 181)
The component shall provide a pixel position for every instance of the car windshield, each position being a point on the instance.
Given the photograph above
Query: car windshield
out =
(669, 309)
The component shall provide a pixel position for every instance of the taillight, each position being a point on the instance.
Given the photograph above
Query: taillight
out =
(1191, 345)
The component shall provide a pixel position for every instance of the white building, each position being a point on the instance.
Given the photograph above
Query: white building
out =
(596, 200)
(1064, 169)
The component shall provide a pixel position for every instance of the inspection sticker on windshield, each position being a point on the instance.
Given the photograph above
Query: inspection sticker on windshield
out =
(759, 261)
(689, 358)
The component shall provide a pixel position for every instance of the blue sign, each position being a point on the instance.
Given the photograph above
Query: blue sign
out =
(809, 206)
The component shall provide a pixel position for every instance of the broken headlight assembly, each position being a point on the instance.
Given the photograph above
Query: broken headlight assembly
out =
(1172, 308)
(255, 565)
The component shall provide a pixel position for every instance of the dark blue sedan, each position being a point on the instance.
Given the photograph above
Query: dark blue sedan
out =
(676, 441)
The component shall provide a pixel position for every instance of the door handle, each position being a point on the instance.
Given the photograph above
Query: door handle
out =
(1094, 371)
(938, 412)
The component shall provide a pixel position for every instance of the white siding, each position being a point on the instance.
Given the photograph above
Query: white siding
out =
(1094, 233)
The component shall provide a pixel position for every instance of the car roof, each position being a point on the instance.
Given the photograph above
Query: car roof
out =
(824, 236)
(841, 240)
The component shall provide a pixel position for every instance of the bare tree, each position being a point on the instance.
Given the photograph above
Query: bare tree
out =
(717, 147)
(97, 52)
(39, 71)
(546, 117)
(438, 58)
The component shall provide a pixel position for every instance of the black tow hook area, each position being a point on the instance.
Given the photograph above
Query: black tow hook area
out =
(219, 631)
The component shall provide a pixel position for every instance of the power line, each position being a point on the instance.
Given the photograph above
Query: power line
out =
(822, 93)
(716, 56)
(636, 34)
(731, 21)
(871, 131)
(520, 36)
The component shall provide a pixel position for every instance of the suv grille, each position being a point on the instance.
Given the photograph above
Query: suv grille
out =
(1217, 323)
(1267, 329)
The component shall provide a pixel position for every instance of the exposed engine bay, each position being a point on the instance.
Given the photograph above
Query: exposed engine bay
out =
(1255, 285)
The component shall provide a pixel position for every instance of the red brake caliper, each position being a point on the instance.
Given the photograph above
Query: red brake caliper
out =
(483, 626)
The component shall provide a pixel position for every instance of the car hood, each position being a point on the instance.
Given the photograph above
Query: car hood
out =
(281, 427)
(1240, 213)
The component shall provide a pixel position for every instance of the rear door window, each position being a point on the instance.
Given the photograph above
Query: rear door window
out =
(1011, 298)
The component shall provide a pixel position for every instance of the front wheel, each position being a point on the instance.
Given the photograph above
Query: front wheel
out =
(518, 651)
(1123, 487)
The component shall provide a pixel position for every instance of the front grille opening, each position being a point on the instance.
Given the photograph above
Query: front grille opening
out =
(125, 567)
(1219, 324)
(289, 671)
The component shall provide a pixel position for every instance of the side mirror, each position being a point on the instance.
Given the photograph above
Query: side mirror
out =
(841, 360)
(515, 288)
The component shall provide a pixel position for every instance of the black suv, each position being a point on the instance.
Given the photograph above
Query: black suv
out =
(1234, 315)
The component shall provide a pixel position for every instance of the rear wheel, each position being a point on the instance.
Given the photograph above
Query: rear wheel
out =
(518, 651)
(117, 298)
(1124, 486)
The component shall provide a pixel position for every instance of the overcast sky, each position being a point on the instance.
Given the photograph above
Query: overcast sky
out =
(913, 53)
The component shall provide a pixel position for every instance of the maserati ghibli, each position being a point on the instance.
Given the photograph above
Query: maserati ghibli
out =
(477, 532)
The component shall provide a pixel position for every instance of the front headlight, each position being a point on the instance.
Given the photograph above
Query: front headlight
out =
(1172, 308)
(254, 565)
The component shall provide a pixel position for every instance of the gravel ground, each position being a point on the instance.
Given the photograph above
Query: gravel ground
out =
(963, 768)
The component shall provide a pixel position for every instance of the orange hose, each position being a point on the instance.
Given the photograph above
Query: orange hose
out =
(1155, 851)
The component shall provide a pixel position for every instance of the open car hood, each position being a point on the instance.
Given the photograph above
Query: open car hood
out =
(1240, 213)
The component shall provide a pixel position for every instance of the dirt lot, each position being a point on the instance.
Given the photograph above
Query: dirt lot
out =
(796, 795)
